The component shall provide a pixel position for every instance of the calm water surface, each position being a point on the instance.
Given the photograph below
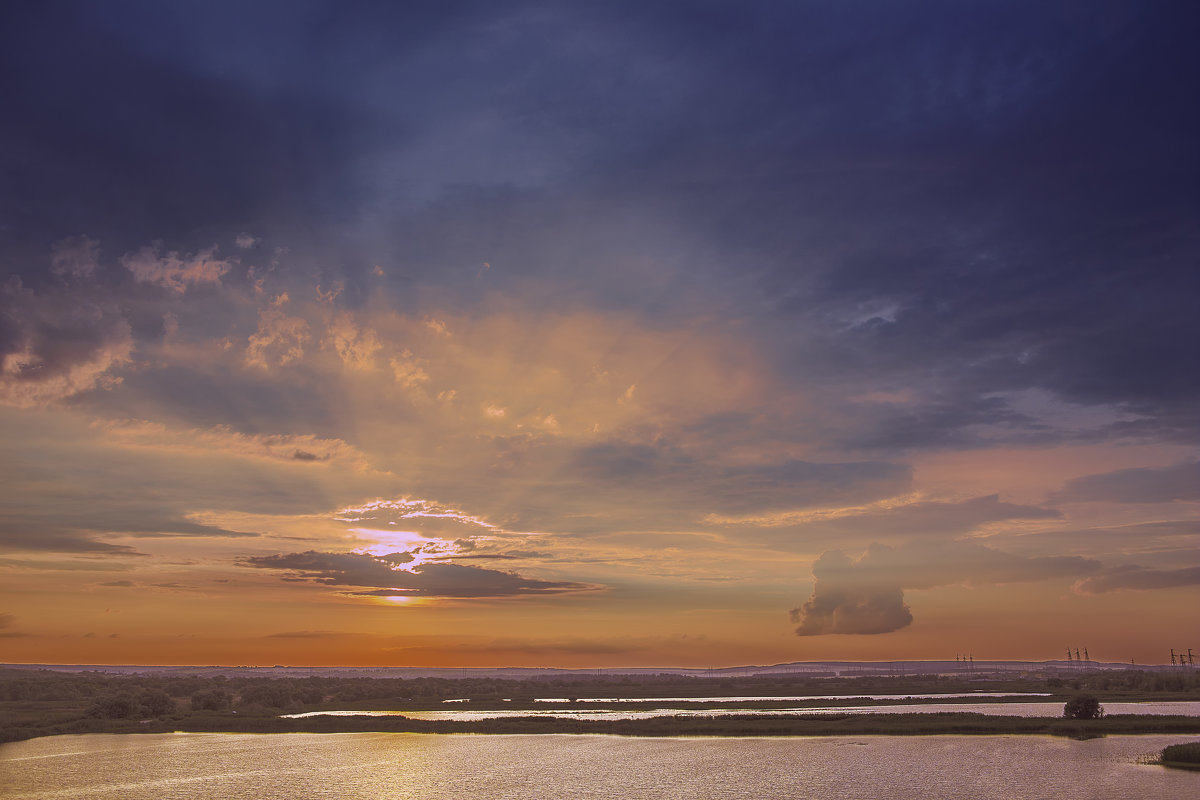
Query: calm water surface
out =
(785, 698)
(1186, 708)
(381, 766)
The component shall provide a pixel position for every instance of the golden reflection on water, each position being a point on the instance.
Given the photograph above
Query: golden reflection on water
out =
(488, 767)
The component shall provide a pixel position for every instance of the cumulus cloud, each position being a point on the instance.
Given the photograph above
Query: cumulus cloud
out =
(54, 346)
(279, 340)
(355, 344)
(1138, 485)
(845, 602)
(409, 371)
(173, 271)
(867, 596)
(386, 579)
(1131, 576)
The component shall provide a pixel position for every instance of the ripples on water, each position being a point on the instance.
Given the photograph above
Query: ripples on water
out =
(457, 767)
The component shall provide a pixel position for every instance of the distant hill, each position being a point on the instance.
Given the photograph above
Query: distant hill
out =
(813, 669)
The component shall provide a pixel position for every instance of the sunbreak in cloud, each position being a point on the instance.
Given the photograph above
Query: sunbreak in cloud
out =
(383, 576)
(867, 596)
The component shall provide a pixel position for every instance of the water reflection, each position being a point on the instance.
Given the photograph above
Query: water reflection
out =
(785, 699)
(1183, 708)
(457, 767)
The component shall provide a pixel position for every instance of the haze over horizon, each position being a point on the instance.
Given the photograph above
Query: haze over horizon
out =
(585, 335)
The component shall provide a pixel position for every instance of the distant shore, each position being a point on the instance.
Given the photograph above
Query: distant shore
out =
(666, 726)
(732, 725)
(36, 703)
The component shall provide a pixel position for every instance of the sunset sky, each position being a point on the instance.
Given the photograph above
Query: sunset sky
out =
(598, 334)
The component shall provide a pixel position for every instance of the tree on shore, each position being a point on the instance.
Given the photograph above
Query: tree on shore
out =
(212, 700)
(1083, 706)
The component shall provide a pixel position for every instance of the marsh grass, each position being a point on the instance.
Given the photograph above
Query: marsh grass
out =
(1181, 755)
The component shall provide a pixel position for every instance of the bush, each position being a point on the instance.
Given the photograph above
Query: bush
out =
(1182, 753)
(212, 700)
(1083, 706)
(157, 703)
(116, 706)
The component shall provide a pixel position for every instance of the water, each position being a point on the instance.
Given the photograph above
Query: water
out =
(786, 699)
(380, 766)
(1188, 708)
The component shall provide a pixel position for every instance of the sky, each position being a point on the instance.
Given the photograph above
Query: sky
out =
(598, 334)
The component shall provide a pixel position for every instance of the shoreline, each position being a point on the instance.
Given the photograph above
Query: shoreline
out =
(748, 725)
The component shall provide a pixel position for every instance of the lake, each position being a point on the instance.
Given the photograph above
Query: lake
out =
(382, 766)
(1185, 708)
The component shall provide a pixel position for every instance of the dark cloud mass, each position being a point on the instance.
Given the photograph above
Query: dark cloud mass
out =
(1131, 576)
(56, 344)
(1139, 485)
(701, 485)
(423, 580)
(970, 200)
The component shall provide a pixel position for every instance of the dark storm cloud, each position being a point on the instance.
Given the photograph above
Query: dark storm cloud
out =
(424, 580)
(867, 596)
(1131, 576)
(1140, 485)
(963, 199)
(103, 135)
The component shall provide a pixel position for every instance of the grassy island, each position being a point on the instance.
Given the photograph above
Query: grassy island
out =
(43, 702)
